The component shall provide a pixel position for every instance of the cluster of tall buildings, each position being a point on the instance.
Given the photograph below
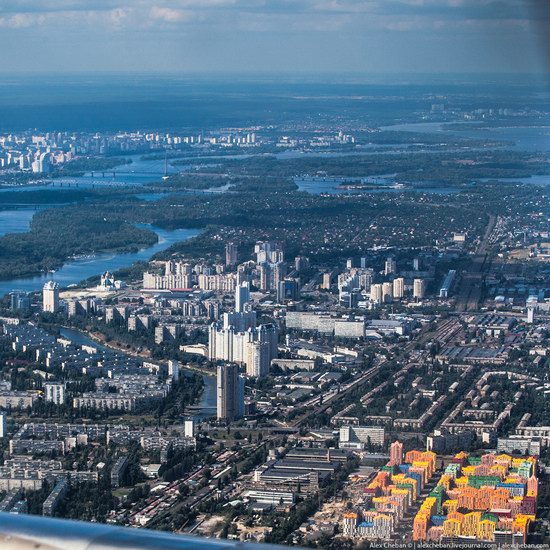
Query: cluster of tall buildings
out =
(271, 265)
(177, 276)
(384, 293)
(491, 498)
(358, 284)
(40, 151)
(391, 494)
(268, 272)
(38, 160)
(237, 339)
(231, 254)
(230, 140)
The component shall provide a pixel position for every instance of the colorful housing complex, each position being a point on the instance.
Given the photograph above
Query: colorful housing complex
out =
(490, 498)
(394, 489)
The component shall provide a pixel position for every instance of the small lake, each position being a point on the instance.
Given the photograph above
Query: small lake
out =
(332, 186)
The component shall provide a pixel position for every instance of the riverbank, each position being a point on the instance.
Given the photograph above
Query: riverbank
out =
(145, 354)
(75, 271)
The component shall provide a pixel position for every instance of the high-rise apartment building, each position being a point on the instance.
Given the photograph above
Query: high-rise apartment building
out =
(265, 275)
(242, 297)
(390, 266)
(398, 288)
(396, 453)
(50, 297)
(419, 288)
(257, 359)
(174, 370)
(271, 274)
(20, 301)
(177, 276)
(230, 393)
(387, 293)
(278, 273)
(268, 252)
(218, 283)
(288, 290)
(227, 343)
(54, 392)
(301, 263)
(189, 428)
(231, 254)
(376, 293)
(327, 281)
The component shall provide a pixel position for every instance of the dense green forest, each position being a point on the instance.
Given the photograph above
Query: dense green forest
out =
(86, 164)
(452, 168)
(60, 233)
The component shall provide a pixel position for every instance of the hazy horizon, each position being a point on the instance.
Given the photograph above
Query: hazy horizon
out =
(225, 36)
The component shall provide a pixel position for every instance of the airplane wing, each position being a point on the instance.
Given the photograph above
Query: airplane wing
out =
(25, 532)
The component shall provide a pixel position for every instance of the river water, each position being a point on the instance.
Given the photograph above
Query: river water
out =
(16, 221)
(140, 172)
(332, 186)
(206, 406)
(75, 271)
(525, 138)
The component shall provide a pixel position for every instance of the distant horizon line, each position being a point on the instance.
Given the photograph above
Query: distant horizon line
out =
(263, 74)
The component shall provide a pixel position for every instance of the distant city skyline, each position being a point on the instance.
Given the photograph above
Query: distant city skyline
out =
(294, 36)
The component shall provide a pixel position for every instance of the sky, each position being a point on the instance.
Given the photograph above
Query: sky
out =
(275, 36)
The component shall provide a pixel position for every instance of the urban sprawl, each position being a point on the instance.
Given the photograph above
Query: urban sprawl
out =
(240, 390)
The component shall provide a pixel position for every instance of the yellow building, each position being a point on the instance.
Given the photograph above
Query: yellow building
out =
(452, 528)
(471, 524)
(487, 530)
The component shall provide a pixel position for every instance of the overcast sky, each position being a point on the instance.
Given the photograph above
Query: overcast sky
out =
(274, 35)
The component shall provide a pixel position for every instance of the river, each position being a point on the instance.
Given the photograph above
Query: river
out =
(140, 172)
(206, 407)
(332, 186)
(16, 221)
(526, 138)
(75, 271)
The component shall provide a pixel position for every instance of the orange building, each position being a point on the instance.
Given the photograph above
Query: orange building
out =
(420, 527)
(396, 453)
(532, 486)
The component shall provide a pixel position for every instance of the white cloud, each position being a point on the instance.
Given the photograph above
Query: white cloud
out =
(262, 15)
(170, 15)
(22, 20)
